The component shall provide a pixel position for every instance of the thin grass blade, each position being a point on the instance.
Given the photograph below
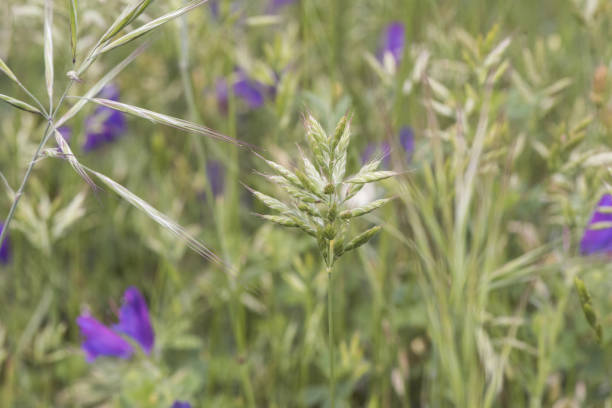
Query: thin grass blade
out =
(99, 85)
(370, 177)
(4, 68)
(158, 217)
(49, 50)
(140, 31)
(128, 15)
(73, 28)
(20, 104)
(168, 120)
(67, 153)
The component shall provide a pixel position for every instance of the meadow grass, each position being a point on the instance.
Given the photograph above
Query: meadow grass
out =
(490, 123)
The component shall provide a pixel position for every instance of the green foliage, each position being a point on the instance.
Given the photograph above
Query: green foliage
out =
(468, 296)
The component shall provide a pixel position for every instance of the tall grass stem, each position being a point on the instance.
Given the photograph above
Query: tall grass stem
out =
(330, 322)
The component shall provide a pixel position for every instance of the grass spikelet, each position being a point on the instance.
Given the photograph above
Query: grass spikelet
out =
(158, 217)
(177, 123)
(146, 28)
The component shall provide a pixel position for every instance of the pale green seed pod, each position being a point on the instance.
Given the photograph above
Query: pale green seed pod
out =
(362, 238)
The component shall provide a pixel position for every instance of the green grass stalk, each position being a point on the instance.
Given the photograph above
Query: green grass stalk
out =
(330, 322)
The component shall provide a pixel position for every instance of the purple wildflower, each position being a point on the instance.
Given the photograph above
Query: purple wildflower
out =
(253, 93)
(598, 240)
(406, 136)
(275, 5)
(66, 132)
(222, 91)
(214, 9)
(181, 404)
(134, 319)
(216, 177)
(368, 153)
(5, 248)
(393, 41)
(250, 91)
(105, 125)
(101, 341)
(374, 151)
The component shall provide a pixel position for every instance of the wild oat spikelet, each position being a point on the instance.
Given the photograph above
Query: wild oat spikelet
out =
(319, 191)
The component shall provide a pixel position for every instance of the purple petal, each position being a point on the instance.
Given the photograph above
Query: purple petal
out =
(393, 41)
(386, 154)
(101, 341)
(222, 92)
(216, 177)
(66, 132)
(368, 153)
(250, 92)
(598, 240)
(372, 151)
(110, 91)
(5, 248)
(134, 319)
(277, 4)
(105, 125)
(406, 136)
(214, 8)
(181, 404)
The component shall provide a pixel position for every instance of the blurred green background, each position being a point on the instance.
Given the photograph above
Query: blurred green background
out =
(530, 119)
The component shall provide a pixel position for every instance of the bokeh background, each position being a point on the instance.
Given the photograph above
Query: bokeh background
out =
(505, 102)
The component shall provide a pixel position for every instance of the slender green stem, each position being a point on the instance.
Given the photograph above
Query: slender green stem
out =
(26, 177)
(237, 318)
(330, 322)
(48, 132)
(35, 99)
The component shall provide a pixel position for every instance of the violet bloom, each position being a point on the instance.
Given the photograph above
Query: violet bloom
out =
(253, 93)
(368, 153)
(214, 9)
(374, 151)
(393, 41)
(134, 319)
(216, 177)
(222, 93)
(5, 248)
(102, 341)
(250, 91)
(66, 132)
(181, 404)
(406, 136)
(275, 5)
(598, 240)
(105, 125)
